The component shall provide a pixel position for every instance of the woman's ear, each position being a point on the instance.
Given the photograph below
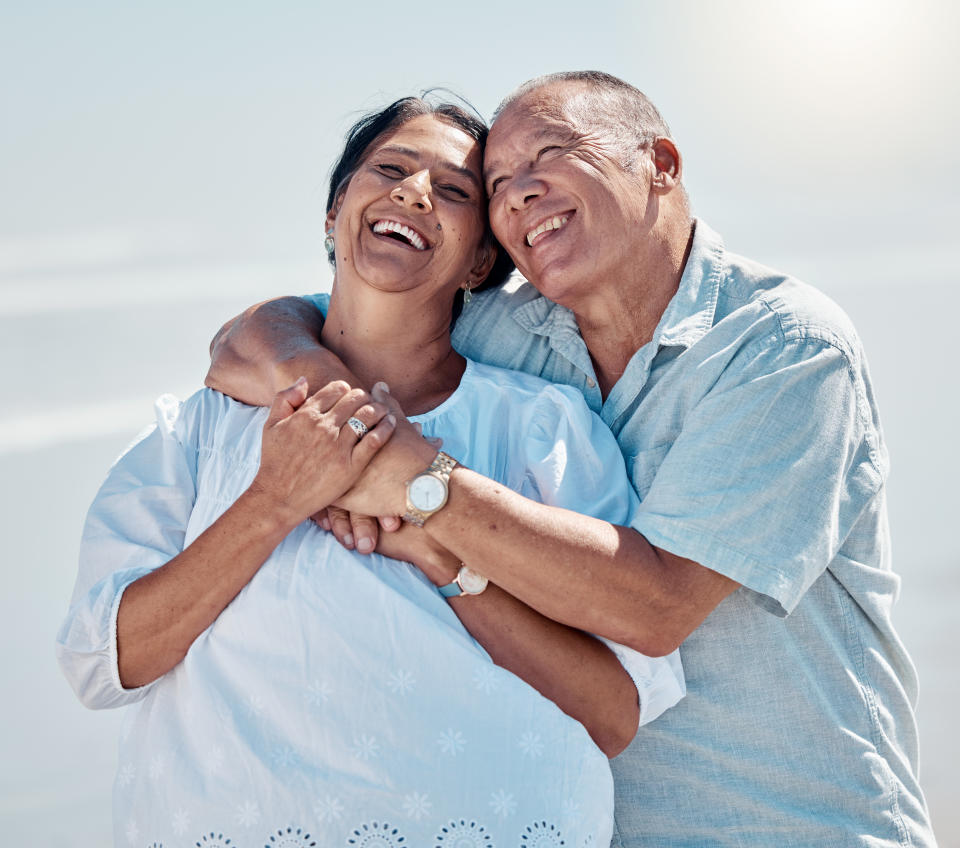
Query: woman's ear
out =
(331, 219)
(486, 256)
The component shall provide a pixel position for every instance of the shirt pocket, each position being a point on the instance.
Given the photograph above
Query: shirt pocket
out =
(643, 467)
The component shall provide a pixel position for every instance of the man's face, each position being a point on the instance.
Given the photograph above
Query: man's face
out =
(560, 203)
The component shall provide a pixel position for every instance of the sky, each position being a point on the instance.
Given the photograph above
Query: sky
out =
(164, 165)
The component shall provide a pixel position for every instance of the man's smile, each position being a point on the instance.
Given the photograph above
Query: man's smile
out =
(550, 224)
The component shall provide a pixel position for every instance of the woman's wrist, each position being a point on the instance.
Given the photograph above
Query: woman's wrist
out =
(268, 515)
(440, 566)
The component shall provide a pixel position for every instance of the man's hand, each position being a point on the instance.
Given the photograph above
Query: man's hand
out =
(353, 530)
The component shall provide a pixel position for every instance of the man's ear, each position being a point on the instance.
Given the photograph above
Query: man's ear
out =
(667, 164)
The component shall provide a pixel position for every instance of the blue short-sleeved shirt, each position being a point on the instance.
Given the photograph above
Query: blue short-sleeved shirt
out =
(751, 434)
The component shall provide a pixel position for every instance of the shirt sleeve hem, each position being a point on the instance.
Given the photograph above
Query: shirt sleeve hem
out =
(774, 591)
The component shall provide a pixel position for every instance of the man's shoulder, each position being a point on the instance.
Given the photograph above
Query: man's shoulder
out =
(495, 327)
(512, 294)
(798, 311)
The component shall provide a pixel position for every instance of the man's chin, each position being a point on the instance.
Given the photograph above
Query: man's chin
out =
(556, 280)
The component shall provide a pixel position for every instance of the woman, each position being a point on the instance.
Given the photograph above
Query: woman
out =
(294, 692)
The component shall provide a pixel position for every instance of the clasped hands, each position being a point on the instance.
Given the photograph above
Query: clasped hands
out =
(313, 465)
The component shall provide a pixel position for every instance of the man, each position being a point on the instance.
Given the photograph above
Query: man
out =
(741, 401)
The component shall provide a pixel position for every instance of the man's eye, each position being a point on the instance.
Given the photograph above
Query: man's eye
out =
(548, 149)
(496, 185)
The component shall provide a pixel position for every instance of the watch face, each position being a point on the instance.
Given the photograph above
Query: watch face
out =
(472, 582)
(427, 492)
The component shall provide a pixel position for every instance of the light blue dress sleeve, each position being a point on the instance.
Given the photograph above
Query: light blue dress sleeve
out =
(321, 301)
(573, 461)
(136, 524)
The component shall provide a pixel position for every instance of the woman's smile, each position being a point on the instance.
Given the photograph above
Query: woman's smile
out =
(402, 233)
(413, 214)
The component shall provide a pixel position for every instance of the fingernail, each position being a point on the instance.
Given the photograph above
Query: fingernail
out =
(365, 545)
(348, 539)
(390, 418)
(383, 387)
(325, 523)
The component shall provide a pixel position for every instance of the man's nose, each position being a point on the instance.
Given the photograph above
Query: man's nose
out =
(414, 191)
(523, 188)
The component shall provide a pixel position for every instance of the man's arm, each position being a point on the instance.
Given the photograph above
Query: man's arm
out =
(572, 568)
(264, 349)
(605, 579)
(267, 347)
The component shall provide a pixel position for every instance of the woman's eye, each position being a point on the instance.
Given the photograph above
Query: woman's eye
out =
(391, 170)
(456, 191)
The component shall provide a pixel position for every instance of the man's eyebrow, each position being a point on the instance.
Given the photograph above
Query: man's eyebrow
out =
(415, 154)
(548, 132)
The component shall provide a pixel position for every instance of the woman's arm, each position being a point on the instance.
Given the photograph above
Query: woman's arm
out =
(578, 673)
(309, 457)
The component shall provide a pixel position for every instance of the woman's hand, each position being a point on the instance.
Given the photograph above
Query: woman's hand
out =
(412, 544)
(354, 530)
(310, 456)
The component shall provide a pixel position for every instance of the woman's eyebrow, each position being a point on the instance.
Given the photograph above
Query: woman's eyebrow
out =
(469, 173)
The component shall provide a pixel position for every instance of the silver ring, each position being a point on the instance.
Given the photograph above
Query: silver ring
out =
(358, 427)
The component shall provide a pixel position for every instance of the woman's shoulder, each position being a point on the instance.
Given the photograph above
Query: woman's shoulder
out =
(203, 419)
(522, 387)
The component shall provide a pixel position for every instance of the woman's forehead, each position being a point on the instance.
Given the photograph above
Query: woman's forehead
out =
(431, 137)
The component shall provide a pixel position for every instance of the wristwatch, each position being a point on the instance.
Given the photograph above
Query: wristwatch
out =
(467, 582)
(427, 492)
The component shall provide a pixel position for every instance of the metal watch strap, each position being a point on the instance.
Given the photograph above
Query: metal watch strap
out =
(442, 465)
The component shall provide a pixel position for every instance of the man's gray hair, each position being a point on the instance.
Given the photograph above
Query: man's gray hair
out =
(611, 106)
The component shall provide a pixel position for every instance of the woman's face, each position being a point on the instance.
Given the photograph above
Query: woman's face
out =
(414, 213)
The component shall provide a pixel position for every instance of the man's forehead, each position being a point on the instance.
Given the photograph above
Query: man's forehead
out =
(520, 126)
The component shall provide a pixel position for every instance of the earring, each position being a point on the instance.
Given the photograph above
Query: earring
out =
(467, 294)
(329, 243)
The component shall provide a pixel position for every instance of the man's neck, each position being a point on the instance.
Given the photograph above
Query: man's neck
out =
(615, 328)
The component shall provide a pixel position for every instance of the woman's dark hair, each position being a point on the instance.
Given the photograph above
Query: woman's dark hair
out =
(371, 127)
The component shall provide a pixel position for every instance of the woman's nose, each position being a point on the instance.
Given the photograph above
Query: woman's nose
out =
(414, 192)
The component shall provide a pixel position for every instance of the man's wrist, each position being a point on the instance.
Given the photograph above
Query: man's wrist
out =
(427, 491)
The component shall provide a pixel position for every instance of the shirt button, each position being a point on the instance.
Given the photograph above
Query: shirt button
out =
(591, 382)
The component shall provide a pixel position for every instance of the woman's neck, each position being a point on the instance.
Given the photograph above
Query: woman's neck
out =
(398, 338)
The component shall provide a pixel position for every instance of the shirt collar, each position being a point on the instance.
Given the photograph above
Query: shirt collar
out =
(687, 317)
(692, 309)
